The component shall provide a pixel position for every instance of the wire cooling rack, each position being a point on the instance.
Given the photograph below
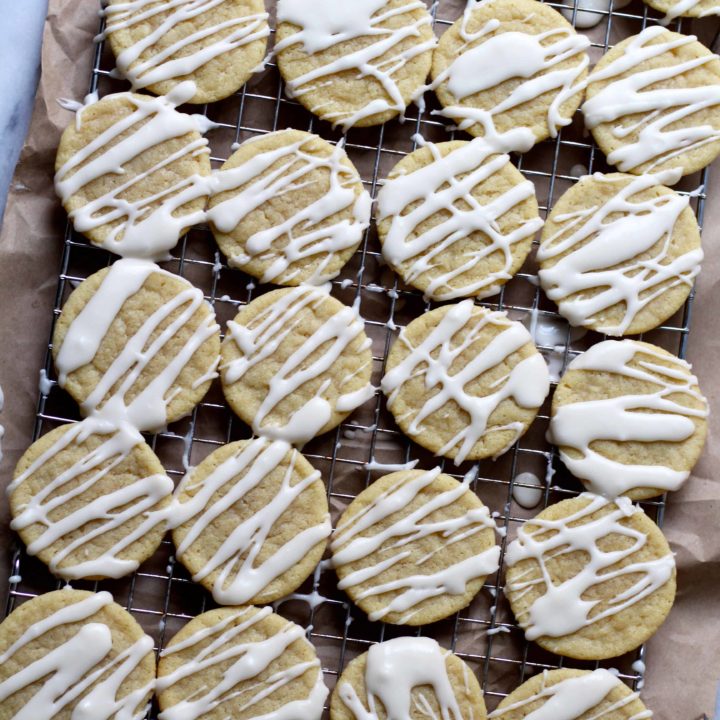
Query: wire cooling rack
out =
(160, 595)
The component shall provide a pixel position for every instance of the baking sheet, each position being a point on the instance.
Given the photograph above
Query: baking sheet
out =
(683, 667)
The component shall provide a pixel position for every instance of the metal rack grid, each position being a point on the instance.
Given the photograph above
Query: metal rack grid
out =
(160, 595)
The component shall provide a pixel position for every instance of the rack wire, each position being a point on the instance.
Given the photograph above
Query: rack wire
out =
(161, 595)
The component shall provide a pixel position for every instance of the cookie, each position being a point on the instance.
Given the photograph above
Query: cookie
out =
(590, 578)
(465, 382)
(289, 208)
(136, 344)
(295, 363)
(89, 502)
(448, 547)
(242, 663)
(675, 125)
(354, 64)
(408, 677)
(619, 253)
(575, 694)
(73, 653)
(629, 419)
(684, 8)
(510, 71)
(132, 172)
(217, 44)
(253, 521)
(456, 220)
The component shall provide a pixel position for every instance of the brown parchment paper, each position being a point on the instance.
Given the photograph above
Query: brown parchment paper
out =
(683, 667)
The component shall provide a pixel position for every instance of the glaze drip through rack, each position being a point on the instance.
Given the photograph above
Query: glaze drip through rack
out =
(160, 594)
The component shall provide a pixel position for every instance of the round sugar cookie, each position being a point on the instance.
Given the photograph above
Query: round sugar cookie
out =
(448, 542)
(295, 363)
(619, 253)
(510, 71)
(354, 64)
(253, 521)
(240, 662)
(410, 677)
(74, 653)
(217, 44)
(456, 220)
(612, 576)
(136, 343)
(685, 8)
(629, 419)
(465, 382)
(90, 502)
(131, 171)
(580, 694)
(289, 208)
(653, 103)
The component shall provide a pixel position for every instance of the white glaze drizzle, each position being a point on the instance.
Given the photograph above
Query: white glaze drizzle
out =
(150, 234)
(508, 55)
(389, 467)
(573, 697)
(142, 231)
(591, 12)
(148, 410)
(249, 659)
(78, 671)
(327, 23)
(240, 579)
(682, 8)
(625, 96)
(527, 384)
(143, 65)
(266, 333)
(657, 416)
(351, 543)
(107, 512)
(393, 670)
(45, 384)
(561, 610)
(528, 490)
(307, 233)
(439, 189)
(621, 231)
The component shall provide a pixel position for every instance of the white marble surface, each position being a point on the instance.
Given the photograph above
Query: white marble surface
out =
(22, 25)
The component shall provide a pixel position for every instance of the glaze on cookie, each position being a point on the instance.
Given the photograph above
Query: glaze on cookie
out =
(414, 547)
(465, 382)
(456, 219)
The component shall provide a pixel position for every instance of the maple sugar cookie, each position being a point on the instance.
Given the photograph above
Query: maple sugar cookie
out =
(407, 677)
(216, 44)
(510, 71)
(653, 103)
(578, 694)
(253, 521)
(132, 172)
(354, 64)
(73, 653)
(629, 419)
(136, 344)
(240, 662)
(289, 208)
(295, 363)
(448, 542)
(456, 220)
(465, 382)
(590, 578)
(89, 502)
(619, 253)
